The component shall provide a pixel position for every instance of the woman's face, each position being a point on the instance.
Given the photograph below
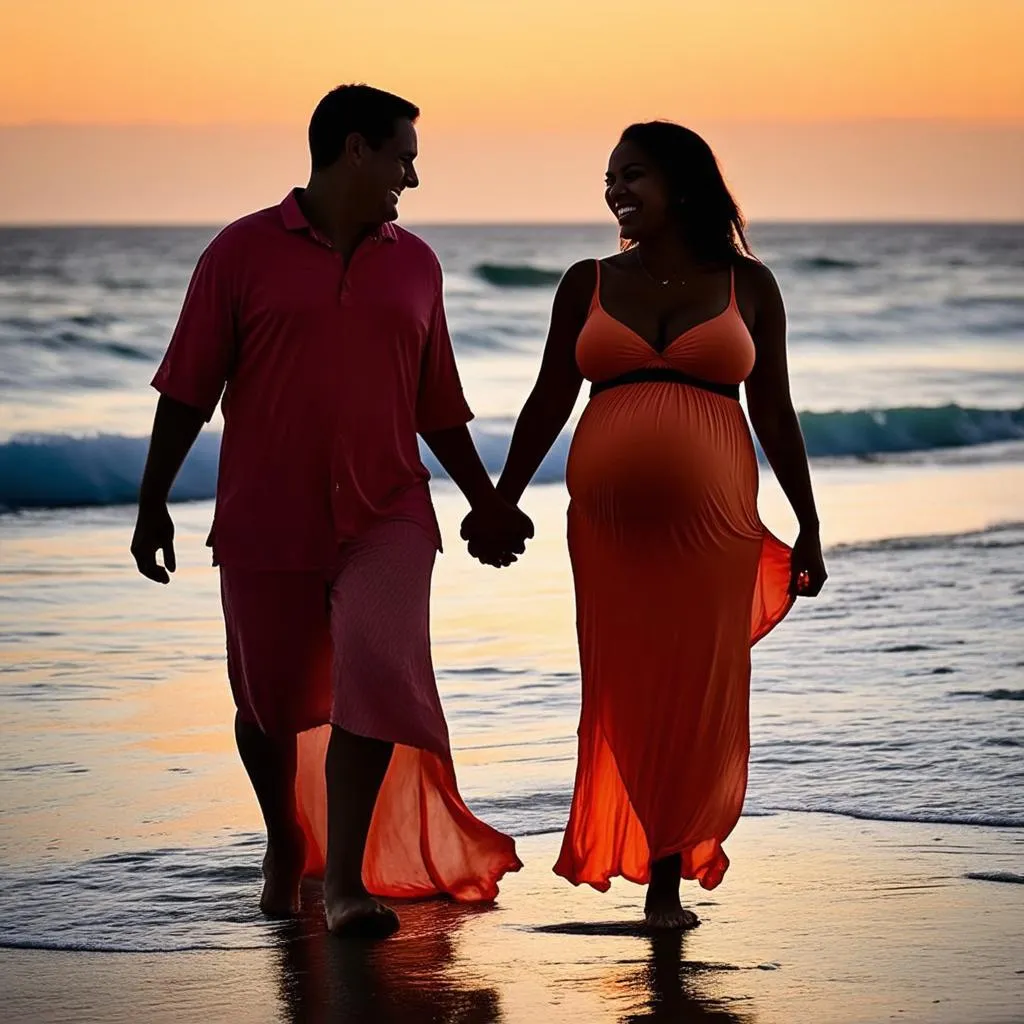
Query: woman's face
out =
(635, 192)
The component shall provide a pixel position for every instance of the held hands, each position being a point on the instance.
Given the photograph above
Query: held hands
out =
(154, 531)
(808, 572)
(496, 532)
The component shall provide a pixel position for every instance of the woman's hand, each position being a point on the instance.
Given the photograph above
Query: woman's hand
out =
(496, 532)
(808, 573)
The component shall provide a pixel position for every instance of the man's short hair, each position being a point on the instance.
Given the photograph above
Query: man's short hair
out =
(362, 109)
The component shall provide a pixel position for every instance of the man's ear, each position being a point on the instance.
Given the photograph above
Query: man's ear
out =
(355, 148)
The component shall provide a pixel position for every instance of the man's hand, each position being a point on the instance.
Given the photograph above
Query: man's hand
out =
(496, 532)
(154, 531)
(175, 428)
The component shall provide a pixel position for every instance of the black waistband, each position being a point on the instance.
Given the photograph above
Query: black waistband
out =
(667, 375)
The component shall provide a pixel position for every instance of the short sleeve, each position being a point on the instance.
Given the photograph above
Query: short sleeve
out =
(195, 367)
(440, 403)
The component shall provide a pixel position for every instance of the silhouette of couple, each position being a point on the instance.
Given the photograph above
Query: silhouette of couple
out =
(319, 326)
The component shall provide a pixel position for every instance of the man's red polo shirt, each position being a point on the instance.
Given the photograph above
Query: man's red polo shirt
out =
(328, 373)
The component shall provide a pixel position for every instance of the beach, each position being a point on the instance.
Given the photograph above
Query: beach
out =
(878, 872)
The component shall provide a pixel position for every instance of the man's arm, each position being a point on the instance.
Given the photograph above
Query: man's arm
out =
(190, 380)
(175, 429)
(441, 418)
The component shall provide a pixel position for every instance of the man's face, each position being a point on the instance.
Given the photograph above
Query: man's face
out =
(381, 175)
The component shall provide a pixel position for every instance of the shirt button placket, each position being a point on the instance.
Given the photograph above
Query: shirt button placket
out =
(343, 272)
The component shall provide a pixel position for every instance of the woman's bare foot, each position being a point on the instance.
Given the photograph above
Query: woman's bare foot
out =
(359, 916)
(677, 918)
(282, 876)
(662, 908)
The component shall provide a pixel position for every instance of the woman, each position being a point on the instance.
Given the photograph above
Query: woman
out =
(675, 575)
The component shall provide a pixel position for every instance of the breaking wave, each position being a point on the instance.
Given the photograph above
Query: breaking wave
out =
(61, 471)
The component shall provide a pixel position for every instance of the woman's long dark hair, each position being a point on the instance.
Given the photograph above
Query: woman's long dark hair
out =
(700, 201)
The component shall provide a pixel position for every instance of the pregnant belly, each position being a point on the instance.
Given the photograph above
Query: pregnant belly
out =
(655, 452)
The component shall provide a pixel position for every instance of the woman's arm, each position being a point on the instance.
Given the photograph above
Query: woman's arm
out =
(777, 427)
(554, 394)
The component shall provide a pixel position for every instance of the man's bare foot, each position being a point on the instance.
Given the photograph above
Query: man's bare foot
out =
(359, 917)
(282, 875)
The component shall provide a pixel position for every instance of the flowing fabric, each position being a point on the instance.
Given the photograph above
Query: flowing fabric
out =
(423, 840)
(675, 577)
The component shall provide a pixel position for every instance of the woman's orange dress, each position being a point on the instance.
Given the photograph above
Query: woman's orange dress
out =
(676, 577)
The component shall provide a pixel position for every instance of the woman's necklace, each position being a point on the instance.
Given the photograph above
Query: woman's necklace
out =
(657, 280)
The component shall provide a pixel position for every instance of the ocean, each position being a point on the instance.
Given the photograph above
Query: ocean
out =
(897, 696)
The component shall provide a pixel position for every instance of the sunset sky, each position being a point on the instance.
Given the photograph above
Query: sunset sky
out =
(131, 110)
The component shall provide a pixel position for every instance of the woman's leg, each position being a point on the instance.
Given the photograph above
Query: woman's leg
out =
(662, 908)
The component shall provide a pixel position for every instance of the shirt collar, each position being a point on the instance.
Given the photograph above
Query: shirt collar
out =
(295, 220)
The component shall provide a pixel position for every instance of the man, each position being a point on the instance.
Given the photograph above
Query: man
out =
(323, 324)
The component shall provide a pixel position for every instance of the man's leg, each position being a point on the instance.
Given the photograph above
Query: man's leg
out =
(279, 658)
(356, 766)
(270, 764)
(384, 692)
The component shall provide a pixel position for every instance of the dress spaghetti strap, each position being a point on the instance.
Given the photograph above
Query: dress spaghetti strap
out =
(595, 299)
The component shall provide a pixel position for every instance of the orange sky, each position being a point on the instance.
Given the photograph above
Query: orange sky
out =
(515, 94)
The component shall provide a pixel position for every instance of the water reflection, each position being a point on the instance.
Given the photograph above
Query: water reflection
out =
(418, 976)
(675, 989)
(667, 987)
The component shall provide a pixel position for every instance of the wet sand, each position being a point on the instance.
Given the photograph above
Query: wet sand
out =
(821, 918)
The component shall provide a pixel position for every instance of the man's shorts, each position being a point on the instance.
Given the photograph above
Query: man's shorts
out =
(350, 646)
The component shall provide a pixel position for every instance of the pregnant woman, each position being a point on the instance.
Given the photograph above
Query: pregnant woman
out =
(675, 575)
